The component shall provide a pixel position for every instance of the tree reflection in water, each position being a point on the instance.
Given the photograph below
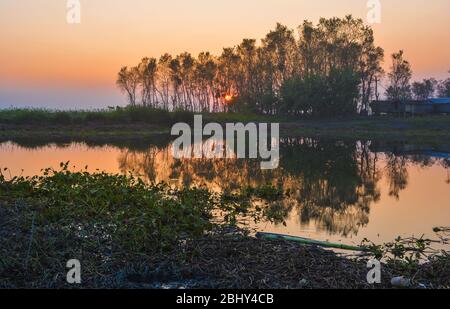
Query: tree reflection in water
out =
(333, 183)
(330, 183)
(446, 165)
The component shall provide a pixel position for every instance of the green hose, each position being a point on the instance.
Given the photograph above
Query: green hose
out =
(307, 241)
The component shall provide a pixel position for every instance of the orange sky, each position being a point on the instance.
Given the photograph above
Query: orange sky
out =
(40, 49)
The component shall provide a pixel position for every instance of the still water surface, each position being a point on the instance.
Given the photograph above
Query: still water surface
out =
(342, 191)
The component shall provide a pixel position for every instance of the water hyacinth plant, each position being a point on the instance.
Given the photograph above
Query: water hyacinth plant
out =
(134, 213)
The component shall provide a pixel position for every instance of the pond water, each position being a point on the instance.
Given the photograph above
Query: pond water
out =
(339, 190)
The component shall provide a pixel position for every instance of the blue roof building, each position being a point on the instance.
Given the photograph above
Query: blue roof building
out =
(429, 106)
(439, 101)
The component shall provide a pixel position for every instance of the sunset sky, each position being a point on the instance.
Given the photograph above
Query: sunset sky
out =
(45, 62)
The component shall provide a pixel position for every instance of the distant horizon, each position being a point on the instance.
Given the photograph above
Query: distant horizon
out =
(47, 63)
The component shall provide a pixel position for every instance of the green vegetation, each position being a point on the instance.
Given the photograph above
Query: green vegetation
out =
(417, 259)
(127, 115)
(124, 116)
(326, 96)
(424, 129)
(131, 234)
(134, 213)
(99, 216)
(143, 122)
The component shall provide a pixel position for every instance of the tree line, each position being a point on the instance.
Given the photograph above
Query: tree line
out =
(400, 87)
(331, 68)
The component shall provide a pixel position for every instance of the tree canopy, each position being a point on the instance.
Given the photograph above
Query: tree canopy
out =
(332, 68)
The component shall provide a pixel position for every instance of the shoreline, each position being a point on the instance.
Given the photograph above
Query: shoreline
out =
(433, 129)
(227, 261)
(127, 234)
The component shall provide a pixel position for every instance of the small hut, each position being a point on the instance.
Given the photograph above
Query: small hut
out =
(412, 107)
(441, 105)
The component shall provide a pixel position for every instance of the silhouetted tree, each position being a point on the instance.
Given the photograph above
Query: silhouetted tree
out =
(399, 78)
(147, 78)
(330, 68)
(444, 88)
(128, 81)
(425, 89)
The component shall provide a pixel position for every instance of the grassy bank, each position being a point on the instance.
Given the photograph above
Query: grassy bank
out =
(116, 116)
(129, 234)
(427, 129)
(142, 123)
